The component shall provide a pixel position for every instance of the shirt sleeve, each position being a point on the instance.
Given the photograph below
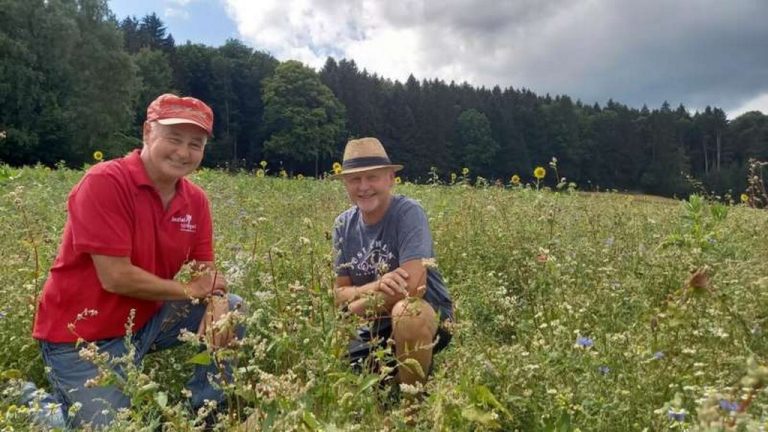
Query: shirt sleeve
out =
(202, 250)
(340, 263)
(414, 240)
(101, 217)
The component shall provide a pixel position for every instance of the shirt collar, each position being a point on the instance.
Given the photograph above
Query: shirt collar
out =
(136, 168)
(141, 178)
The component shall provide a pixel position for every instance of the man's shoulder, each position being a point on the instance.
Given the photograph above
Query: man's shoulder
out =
(115, 170)
(404, 205)
(345, 216)
(192, 189)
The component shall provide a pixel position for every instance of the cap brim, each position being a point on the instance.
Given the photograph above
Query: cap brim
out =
(361, 169)
(177, 120)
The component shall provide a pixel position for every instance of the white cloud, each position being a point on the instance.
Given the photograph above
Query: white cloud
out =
(759, 103)
(171, 12)
(696, 52)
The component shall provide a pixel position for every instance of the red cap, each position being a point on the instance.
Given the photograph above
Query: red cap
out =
(169, 109)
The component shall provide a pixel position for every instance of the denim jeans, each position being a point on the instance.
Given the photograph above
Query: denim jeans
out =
(68, 372)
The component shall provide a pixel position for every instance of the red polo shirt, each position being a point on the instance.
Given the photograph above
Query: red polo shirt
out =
(115, 210)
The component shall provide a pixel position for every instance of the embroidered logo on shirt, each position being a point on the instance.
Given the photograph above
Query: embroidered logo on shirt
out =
(185, 223)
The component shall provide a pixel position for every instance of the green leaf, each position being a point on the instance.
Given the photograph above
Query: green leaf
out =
(367, 384)
(162, 399)
(414, 366)
(484, 394)
(310, 421)
(11, 374)
(474, 414)
(202, 358)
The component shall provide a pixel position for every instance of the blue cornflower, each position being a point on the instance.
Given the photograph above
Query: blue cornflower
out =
(729, 406)
(603, 370)
(584, 342)
(678, 416)
(658, 355)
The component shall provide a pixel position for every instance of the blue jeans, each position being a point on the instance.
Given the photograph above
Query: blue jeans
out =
(68, 372)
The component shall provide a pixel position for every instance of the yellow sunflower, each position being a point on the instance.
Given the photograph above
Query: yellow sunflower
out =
(539, 173)
(98, 156)
(263, 164)
(464, 171)
(515, 180)
(259, 173)
(744, 198)
(398, 180)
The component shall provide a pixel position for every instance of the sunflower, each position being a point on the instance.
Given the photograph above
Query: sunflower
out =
(398, 180)
(259, 173)
(539, 173)
(744, 198)
(464, 171)
(336, 168)
(98, 156)
(263, 164)
(515, 179)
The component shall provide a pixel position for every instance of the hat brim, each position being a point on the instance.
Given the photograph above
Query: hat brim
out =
(179, 120)
(362, 169)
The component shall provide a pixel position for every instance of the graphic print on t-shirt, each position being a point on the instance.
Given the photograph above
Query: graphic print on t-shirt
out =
(373, 260)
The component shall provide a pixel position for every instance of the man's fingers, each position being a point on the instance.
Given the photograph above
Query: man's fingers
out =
(385, 288)
(401, 272)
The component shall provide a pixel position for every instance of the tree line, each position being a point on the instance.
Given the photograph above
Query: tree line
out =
(74, 79)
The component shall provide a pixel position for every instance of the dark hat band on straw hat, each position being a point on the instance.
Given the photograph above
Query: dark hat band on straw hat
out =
(362, 162)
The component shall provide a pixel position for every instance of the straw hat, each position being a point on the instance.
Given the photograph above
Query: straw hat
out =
(365, 154)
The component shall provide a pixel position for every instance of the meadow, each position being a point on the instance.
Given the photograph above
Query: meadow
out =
(591, 312)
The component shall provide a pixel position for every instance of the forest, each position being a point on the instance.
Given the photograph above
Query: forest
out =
(76, 79)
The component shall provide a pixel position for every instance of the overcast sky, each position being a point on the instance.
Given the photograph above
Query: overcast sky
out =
(695, 52)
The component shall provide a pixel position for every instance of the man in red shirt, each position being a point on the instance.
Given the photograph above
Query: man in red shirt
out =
(132, 224)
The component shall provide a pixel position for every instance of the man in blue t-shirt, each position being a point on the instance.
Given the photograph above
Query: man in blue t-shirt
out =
(383, 264)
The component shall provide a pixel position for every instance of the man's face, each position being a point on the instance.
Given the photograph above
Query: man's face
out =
(173, 151)
(370, 190)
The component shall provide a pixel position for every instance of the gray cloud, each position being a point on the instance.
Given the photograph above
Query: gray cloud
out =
(695, 52)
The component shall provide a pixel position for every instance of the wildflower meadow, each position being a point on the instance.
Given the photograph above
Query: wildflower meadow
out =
(575, 311)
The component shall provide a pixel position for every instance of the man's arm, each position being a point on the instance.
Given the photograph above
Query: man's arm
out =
(410, 278)
(119, 276)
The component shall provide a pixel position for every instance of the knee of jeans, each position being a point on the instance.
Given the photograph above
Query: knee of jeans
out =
(236, 303)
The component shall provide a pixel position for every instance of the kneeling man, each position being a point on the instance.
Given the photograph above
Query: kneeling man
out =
(132, 224)
(383, 248)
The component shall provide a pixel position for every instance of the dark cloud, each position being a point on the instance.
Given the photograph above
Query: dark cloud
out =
(695, 52)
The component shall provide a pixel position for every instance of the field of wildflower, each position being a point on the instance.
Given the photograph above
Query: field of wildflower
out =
(575, 311)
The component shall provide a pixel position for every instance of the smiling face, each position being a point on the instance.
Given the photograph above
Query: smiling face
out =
(172, 151)
(371, 191)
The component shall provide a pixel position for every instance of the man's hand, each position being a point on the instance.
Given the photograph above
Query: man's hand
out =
(394, 283)
(206, 284)
(217, 334)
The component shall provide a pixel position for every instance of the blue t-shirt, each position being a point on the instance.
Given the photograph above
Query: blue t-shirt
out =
(362, 252)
